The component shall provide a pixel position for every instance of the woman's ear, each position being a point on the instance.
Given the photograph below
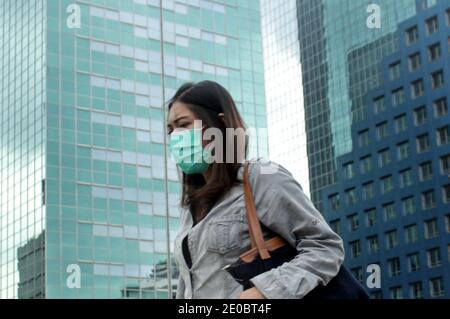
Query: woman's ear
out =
(222, 117)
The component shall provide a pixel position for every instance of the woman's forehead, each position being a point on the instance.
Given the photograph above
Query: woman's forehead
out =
(177, 110)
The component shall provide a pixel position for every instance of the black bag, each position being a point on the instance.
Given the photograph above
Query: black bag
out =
(265, 255)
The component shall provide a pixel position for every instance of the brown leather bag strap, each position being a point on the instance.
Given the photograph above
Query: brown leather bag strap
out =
(252, 218)
(247, 204)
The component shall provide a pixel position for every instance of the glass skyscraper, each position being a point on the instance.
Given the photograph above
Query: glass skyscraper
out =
(284, 92)
(22, 148)
(377, 136)
(329, 30)
(89, 194)
(391, 203)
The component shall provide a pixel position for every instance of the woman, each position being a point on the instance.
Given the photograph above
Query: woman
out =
(214, 231)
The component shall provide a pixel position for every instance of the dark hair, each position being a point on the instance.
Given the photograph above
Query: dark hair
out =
(206, 100)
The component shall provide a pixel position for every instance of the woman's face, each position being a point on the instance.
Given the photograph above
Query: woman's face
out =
(182, 118)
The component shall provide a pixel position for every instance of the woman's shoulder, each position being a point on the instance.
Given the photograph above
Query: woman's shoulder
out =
(267, 172)
(264, 166)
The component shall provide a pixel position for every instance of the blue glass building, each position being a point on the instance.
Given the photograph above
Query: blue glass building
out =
(391, 199)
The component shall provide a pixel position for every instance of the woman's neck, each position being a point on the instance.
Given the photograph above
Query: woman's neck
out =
(207, 174)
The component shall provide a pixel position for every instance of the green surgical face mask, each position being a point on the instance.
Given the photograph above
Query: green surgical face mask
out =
(188, 152)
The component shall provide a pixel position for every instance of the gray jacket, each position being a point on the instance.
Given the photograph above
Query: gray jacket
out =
(222, 236)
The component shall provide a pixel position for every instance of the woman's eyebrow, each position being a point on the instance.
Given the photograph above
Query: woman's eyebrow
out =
(181, 118)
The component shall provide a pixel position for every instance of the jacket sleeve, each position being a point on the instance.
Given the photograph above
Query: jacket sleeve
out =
(180, 288)
(284, 208)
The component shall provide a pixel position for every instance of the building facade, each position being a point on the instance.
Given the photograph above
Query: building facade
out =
(89, 194)
(391, 200)
(328, 32)
(284, 91)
